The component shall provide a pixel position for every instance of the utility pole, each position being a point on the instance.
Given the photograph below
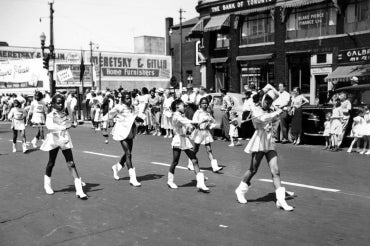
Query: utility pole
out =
(99, 70)
(91, 63)
(181, 18)
(51, 48)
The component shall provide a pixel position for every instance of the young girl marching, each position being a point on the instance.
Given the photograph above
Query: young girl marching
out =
(17, 115)
(202, 135)
(181, 142)
(37, 115)
(124, 131)
(365, 131)
(58, 137)
(358, 123)
(233, 129)
(261, 145)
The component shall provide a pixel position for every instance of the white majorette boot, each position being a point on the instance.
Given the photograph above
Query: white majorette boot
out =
(215, 167)
(280, 197)
(14, 148)
(241, 191)
(200, 183)
(133, 180)
(190, 165)
(34, 142)
(24, 147)
(82, 183)
(116, 168)
(79, 192)
(47, 185)
(170, 181)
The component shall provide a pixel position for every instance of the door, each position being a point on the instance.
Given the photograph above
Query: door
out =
(321, 88)
(219, 80)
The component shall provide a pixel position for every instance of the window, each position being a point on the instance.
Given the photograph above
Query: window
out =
(357, 17)
(258, 29)
(321, 58)
(306, 23)
(222, 41)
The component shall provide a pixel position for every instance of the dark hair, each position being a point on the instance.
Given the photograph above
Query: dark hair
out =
(223, 90)
(204, 99)
(268, 99)
(55, 97)
(209, 97)
(124, 94)
(298, 90)
(39, 94)
(144, 90)
(256, 97)
(284, 85)
(248, 93)
(175, 103)
(16, 101)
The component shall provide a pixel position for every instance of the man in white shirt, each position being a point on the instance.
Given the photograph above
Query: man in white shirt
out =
(189, 100)
(282, 102)
(202, 93)
(346, 107)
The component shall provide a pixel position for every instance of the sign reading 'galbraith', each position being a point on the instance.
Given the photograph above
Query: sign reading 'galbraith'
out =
(354, 55)
(239, 5)
(134, 65)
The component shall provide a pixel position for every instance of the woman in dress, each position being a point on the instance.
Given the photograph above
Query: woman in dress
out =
(202, 135)
(58, 137)
(261, 145)
(167, 114)
(297, 102)
(124, 131)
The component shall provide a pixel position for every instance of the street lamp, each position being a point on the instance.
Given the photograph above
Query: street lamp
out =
(51, 54)
(92, 46)
(170, 31)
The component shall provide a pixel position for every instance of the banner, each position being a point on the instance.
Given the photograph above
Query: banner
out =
(240, 5)
(69, 75)
(22, 73)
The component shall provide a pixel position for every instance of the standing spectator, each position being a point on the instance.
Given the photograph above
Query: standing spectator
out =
(227, 106)
(282, 102)
(296, 111)
(154, 112)
(202, 93)
(346, 108)
(247, 128)
(161, 99)
(189, 100)
(88, 98)
(93, 102)
(167, 114)
(336, 124)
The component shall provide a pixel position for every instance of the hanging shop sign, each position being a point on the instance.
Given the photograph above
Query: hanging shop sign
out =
(312, 18)
(239, 5)
(134, 66)
(69, 75)
(354, 55)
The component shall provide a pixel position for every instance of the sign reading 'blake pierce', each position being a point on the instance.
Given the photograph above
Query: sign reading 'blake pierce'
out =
(238, 5)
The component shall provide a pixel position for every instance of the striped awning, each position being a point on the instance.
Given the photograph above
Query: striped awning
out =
(345, 73)
(298, 3)
(197, 30)
(217, 22)
(255, 10)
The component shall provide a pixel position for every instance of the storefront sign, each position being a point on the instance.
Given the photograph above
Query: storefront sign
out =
(133, 65)
(22, 73)
(354, 55)
(69, 75)
(239, 5)
(314, 18)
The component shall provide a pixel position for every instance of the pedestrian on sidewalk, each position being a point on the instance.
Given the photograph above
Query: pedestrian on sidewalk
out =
(297, 102)
(262, 144)
(326, 134)
(37, 114)
(18, 115)
(58, 123)
(125, 131)
(336, 124)
(181, 142)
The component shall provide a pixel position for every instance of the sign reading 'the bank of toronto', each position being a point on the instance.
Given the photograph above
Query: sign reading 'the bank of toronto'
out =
(134, 65)
(238, 5)
(354, 55)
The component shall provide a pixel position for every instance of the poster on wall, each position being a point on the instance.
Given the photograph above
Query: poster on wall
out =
(27, 73)
(68, 75)
(133, 66)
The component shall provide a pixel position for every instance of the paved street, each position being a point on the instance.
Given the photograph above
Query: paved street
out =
(331, 204)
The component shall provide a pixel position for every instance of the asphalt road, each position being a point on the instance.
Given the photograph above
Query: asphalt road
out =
(332, 199)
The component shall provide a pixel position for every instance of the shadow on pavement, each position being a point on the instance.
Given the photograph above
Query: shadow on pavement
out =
(271, 197)
(88, 188)
(29, 151)
(146, 177)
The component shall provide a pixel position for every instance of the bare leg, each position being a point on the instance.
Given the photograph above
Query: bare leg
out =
(175, 159)
(271, 157)
(190, 153)
(209, 151)
(127, 148)
(255, 163)
(70, 163)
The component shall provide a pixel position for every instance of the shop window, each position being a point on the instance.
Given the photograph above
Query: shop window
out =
(306, 23)
(258, 29)
(321, 58)
(258, 74)
(357, 17)
(222, 41)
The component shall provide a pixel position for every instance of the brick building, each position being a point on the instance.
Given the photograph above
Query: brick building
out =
(313, 44)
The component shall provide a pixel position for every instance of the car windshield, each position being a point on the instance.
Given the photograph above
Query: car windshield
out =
(356, 97)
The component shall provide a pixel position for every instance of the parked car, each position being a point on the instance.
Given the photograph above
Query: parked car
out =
(314, 116)
(238, 106)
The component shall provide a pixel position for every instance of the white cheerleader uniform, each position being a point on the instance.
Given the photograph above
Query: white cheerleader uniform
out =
(233, 131)
(58, 137)
(358, 123)
(180, 126)
(143, 101)
(38, 110)
(326, 129)
(125, 127)
(263, 137)
(17, 115)
(167, 114)
(365, 127)
(205, 121)
(336, 124)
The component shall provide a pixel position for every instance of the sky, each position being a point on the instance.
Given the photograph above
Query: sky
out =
(112, 24)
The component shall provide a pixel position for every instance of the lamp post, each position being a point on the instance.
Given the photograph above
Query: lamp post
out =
(181, 12)
(51, 55)
(92, 46)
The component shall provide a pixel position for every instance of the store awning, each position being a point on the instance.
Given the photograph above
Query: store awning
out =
(255, 57)
(219, 60)
(197, 30)
(217, 22)
(255, 10)
(298, 3)
(345, 73)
